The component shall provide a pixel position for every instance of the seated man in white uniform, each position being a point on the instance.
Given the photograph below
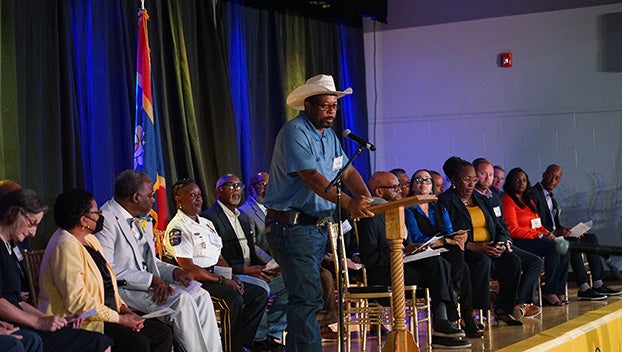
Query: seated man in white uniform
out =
(128, 245)
(193, 241)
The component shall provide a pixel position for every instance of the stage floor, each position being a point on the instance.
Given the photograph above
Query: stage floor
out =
(499, 336)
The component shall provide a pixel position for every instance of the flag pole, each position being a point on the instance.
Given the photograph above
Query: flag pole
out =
(142, 4)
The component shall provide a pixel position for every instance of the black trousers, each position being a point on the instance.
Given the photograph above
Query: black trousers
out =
(576, 260)
(435, 274)
(245, 311)
(460, 277)
(506, 269)
(155, 336)
(72, 340)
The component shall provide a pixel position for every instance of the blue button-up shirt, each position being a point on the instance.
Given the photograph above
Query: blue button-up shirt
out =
(300, 146)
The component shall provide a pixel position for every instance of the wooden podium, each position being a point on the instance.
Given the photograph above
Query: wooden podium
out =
(399, 339)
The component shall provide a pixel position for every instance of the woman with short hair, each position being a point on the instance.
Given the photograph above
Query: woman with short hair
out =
(21, 212)
(75, 278)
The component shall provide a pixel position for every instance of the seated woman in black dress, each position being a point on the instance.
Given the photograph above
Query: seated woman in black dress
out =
(21, 212)
(76, 278)
(424, 221)
(486, 250)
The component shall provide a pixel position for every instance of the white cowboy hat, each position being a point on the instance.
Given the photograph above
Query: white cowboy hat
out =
(316, 85)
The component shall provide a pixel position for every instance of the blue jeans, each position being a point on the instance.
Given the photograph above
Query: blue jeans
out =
(555, 264)
(299, 250)
(30, 342)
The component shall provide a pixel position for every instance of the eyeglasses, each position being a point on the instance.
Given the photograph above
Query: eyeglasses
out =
(261, 184)
(232, 185)
(98, 212)
(31, 222)
(395, 188)
(325, 107)
(426, 180)
(467, 179)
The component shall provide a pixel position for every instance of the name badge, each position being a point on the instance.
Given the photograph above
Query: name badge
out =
(536, 223)
(345, 226)
(497, 211)
(337, 163)
(18, 253)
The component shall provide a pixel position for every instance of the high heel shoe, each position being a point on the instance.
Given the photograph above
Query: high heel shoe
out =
(551, 300)
(506, 318)
(563, 299)
(473, 329)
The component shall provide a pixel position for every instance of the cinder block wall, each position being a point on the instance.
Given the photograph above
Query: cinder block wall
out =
(439, 93)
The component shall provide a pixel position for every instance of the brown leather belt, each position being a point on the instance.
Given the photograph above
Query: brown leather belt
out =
(296, 217)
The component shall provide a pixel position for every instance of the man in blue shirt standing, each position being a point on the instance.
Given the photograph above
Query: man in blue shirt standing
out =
(307, 155)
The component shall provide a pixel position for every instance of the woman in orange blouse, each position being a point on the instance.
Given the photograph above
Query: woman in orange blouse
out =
(527, 232)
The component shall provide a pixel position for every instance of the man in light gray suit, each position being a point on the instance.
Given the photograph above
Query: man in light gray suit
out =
(151, 284)
(254, 208)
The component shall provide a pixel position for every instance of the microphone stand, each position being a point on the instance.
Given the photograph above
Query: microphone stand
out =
(338, 184)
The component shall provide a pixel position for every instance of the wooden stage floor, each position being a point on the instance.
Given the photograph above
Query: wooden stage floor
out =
(499, 336)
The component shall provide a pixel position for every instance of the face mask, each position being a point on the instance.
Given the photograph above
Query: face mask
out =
(99, 224)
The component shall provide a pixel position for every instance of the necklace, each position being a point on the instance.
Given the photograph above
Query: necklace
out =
(466, 201)
(6, 243)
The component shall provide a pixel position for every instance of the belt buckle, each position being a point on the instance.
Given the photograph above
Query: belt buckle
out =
(293, 217)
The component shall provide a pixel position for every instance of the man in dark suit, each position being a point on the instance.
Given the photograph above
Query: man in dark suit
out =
(531, 264)
(548, 209)
(256, 211)
(239, 251)
(433, 273)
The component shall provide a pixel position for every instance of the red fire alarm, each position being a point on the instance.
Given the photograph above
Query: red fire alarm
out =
(505, 60)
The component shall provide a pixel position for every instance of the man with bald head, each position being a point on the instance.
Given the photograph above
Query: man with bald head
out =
(239, 251)
(256, 211)
(549, 211)
(438, 182)
(433, 273)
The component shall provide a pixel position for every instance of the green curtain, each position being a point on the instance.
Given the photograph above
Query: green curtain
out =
(9, 148)
(193, 93)
(68, 88)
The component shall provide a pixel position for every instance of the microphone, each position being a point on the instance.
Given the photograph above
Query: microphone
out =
(563, 247)
(360, 140)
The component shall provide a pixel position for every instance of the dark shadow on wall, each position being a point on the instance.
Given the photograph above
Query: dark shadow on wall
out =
(610, 42)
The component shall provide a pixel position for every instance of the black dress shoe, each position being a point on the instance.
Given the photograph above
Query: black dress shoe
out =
(260, 346)
(274, 346)
(445, 328)
(449, 342)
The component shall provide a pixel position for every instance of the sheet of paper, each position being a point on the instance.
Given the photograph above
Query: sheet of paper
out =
(580, 228)
(352, 265)
(425, 246)
(424, 254)
(88, 313)
(192, 286)
(271, 265)
(225, 271)
(159, 313)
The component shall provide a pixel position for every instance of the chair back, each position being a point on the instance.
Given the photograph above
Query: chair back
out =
(33, 267)
(337, 246)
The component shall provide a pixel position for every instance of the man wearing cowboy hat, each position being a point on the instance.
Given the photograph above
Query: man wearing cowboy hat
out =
(307, 154)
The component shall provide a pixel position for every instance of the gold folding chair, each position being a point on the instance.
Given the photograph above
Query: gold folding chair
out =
(361, 306)
(33, 267)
